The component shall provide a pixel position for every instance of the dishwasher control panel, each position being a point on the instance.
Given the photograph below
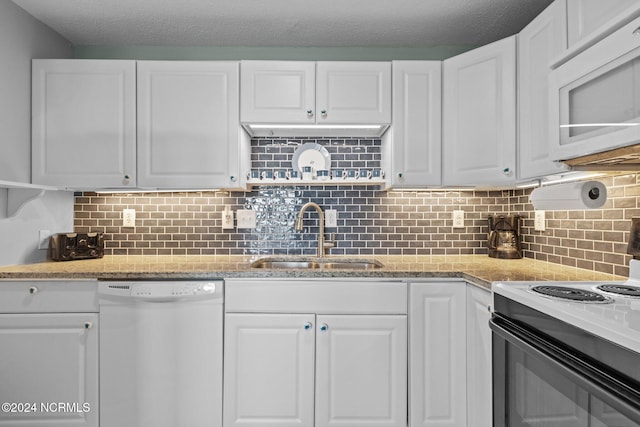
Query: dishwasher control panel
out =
(161, 289)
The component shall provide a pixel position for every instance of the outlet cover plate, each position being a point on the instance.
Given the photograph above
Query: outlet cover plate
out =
(458, 219)
(227, 219)
(539, 223)
(128, 217)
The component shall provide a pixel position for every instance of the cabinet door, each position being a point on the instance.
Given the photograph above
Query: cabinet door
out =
(353, 92)
(188, 124)
(417, 129)
(479, 378)
(84, 123)
(361, 371)
(437, 354)
(590, 20)
(48, 359)
(269, 370)
(479, 112)
(277, 92)
(538, 44)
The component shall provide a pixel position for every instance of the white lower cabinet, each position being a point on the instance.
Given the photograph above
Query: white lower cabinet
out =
(449, 355)
(437, 354)
(308, 370)
(325, 367)
(48, 357)
(479, 391)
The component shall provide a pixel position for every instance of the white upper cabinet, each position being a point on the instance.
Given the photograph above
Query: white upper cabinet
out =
(590, 20)
(353, 92)
(416, 133)
(188, 124)
(84, 123)
(479, 116)
(278, 92)
(290, 92)
(538, 44)
(595, 97)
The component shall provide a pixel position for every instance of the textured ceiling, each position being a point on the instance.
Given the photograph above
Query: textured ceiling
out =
(407, 23)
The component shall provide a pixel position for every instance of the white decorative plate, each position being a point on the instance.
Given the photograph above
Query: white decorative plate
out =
(311, 154)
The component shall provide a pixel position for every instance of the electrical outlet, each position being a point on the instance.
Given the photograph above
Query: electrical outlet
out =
(458, 219)
(539, 223)
(246, 218)
(43, 239)
(128, 217)
(331, 218)
(227, 219)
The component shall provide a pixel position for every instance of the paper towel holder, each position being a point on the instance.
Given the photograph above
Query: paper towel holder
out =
(570, 196)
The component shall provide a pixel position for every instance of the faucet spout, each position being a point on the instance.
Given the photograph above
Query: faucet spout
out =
(299, 225)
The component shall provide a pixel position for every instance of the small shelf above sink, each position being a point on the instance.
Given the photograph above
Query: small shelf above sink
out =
(317, 263)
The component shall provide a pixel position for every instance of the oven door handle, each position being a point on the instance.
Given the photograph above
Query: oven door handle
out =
(595, 381)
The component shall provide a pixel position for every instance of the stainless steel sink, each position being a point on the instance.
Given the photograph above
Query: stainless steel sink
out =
(318, 263)
(268, 263)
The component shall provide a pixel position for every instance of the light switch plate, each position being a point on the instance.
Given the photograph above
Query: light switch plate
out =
(128, 217)
(458, 219)
(330, 218)
(539, 223)
(246, 218)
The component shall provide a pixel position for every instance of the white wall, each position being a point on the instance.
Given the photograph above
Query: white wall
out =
(22, 38)
(19, 235)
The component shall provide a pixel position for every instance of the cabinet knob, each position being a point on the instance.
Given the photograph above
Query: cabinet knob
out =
(126, 179)
(507, 171)
(400, 175)
(323, 113)
(307, 326)
(233, 178)
(88, 325)
(636, 32)
(33, 290)
(323, 327)
(309, 113)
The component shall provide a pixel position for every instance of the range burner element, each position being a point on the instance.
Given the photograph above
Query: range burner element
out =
(571, 294)
(625, 290)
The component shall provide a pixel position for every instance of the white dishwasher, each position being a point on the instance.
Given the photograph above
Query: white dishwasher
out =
(161, 353)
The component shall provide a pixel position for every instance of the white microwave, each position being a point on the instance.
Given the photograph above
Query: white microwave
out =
(594, 98)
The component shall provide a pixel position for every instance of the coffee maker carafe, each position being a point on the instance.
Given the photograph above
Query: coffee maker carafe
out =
(504, 237)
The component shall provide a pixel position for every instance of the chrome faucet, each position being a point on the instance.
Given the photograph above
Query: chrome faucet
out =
(321, 240)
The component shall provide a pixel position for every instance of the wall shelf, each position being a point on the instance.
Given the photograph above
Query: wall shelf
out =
(14, 195)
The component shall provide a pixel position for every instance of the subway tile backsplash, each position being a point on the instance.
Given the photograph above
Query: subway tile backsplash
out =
(370, 221)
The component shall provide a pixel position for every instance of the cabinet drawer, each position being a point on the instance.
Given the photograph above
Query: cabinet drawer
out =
(48, 296)
(315, 296)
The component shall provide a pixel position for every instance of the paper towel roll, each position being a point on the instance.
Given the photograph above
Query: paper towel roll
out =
(570, 196)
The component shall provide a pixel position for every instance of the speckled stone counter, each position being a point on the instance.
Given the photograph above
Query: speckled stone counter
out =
(477, 269)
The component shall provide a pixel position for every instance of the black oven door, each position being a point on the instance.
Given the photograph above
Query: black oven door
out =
(536, 383)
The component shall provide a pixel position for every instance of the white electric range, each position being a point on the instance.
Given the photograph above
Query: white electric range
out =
(567, 353)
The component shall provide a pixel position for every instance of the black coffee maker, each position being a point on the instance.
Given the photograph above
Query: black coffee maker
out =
(504, 237)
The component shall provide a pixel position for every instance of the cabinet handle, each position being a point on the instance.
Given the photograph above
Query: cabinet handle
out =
(636, 32)
(309, 113)
(33, 290)
(88, 325)
(307, 326)
(323, 113)
(323, 327)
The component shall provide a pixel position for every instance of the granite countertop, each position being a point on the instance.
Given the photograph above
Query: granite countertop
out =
(478, 269)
